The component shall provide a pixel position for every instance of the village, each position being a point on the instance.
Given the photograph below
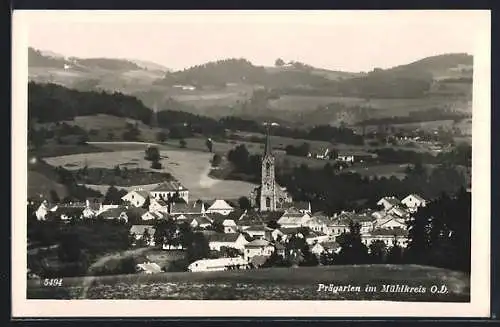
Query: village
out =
(243, 238)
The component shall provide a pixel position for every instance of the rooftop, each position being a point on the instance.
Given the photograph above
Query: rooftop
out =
(170, 186)
(257, 244)
(223, 237)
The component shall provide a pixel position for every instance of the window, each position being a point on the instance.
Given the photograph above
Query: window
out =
(268, 202)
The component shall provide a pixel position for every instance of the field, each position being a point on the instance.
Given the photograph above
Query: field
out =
(385, 107)
(191, 168)
(266, 284)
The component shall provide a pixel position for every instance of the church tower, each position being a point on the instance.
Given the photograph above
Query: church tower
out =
(268, 184)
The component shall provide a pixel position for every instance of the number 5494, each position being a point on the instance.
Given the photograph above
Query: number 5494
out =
(52, 282)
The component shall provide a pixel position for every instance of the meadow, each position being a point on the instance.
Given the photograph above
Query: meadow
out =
(191, 168)
(265, 284)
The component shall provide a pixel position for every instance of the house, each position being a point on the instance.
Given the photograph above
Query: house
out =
(148, 268)
(169, 189)
(229, 226)
(293, 218)
(285, 233)
(318, 223)
(390, 237)
(316, 237)
(338, 225)
(199, 221)
(345, 157)
(300, 206)
(157, 205)
(148, 215)
(184, 208)
(221, 207)
(331, 247)
(399, 211)
(388, 202)
(106, 207)
(257, 248)
(259, 232)
(119, 213)
(233, 240)
(138, 231)
(391, 222)
(413, 202)
(43, 209)
(136, 198)
(91, 208)
(218, 264)
(317, 249)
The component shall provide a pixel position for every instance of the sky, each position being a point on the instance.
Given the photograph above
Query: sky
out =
(339, 40)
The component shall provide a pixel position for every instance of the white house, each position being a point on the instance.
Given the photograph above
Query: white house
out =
(119, 213)
(154, 215)
(388, 236)
(233, 240)
(136, 198)
(388, 202)
(317, 249)
(318, 223)
(157, 205)
(199, 221)
(257, 247)
(229, 226)
(391, 222)
(43, 209)
(169, 189)
(413, 202)
(293, 219)
(148, 268)
(221, 207)
(316, 237)
(260, 232)
(218, 264)
(347, 158)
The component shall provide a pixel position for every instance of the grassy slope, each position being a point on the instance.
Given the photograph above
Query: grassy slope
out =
(270, 283)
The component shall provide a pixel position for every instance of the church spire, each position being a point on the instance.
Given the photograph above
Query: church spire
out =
(267, 146)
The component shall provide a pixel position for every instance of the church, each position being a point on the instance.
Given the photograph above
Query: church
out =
(269, 196)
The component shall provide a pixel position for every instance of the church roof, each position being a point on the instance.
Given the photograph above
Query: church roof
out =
(267, 146)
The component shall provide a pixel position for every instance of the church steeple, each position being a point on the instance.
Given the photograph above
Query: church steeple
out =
(267, 146)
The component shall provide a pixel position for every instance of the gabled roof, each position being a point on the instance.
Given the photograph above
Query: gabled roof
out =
(183, 207)
(150, 267)
(201, 220)
(313, 234)
(391, 200)
(113, 212)
(416, 196)
(170, 186)
(224, 237)
(142, 193)
(257, 244)
(289, 230)
(137, 211)
(299, 205)
(220, 205)
(159, 201)
(236, 214)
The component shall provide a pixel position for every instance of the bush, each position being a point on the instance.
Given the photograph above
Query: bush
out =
(156, 165)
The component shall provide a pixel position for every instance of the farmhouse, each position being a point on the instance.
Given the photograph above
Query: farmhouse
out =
(136, 198)
(293, 218)
(169, 189)
(257, 248)
(390, 237)
(318, 223)
(221, 207)
(157, 205)
(119, 213)
(218, 264)
(148, 268)
(184, 208)
(233, 240)
(229, 226)
(388, 202)
(43, 209)
(413, 202)
(199, 221)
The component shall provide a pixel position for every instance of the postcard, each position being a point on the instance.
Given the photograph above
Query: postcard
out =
(251, 163)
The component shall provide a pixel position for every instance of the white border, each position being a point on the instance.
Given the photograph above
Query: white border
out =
(480, 279)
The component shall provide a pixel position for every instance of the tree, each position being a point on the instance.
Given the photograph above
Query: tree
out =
(182, 143)
(279, 62)
(216, 160)
(209, 144)
(161, 136)
(146, 203)
(152, 153)
(378, 251)
(70, 247)
(353, 251)
(244, 203)
(198, 248)
(113, 196)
